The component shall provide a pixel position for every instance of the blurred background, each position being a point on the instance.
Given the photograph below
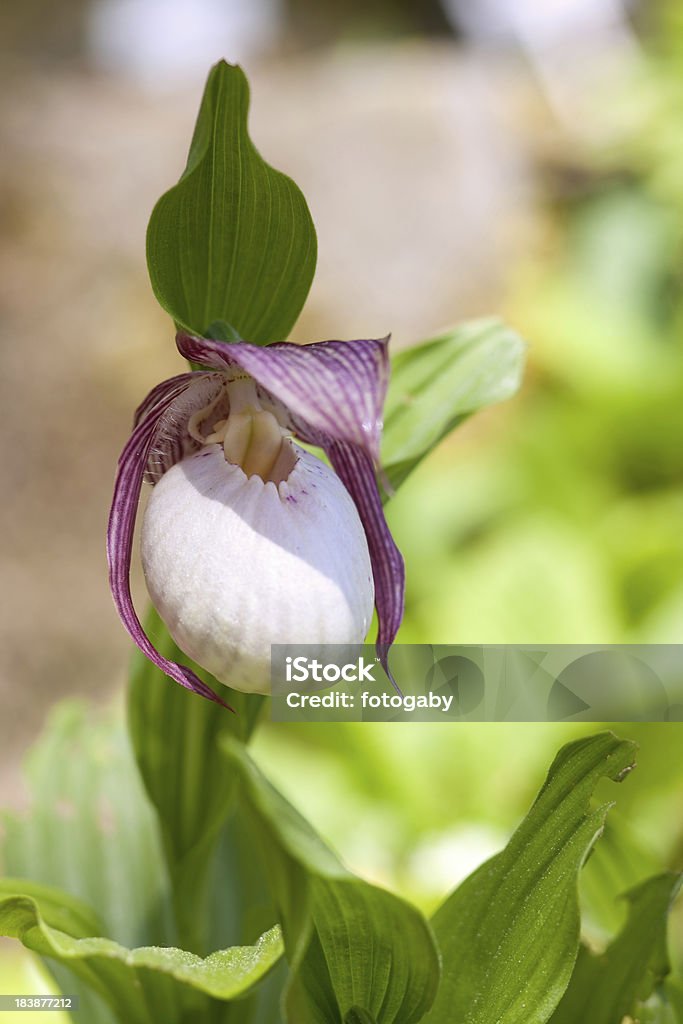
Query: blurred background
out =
(516, 157)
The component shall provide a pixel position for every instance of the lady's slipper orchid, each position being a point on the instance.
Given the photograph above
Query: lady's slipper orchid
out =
(248, 539)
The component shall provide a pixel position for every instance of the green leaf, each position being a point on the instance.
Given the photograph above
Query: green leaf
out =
(141, 985)
(91, 832)
(241, 909)
(357, 953)
(437, 384)
(90, 823)
(509, 934)
(175, 737)
(609, 987)
(241, 905)
(59, 909)
(233, 240)
(356, 1016)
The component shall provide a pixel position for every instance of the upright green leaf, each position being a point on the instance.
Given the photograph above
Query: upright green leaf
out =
(92, 832)
(260, 1006)
(90, 829)
(358, 954)
(142, 986)
(509, 934)
(437, 384)
(175, 737)
(240, 909)
(241, 905)
(609, 987)
(233, 240)
(356, 1016)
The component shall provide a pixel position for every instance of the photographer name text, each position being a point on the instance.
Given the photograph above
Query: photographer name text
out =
(390, 701)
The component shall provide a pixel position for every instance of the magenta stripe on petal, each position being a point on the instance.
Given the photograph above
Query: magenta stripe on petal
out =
(357, 473)
(334, 393)
(336, 388)
(122, 524)
(172, 441)
(160, 393)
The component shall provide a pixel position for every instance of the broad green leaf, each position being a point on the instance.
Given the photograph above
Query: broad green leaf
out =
(240, 909)
(261, 1006)
(356, 1016)
(144, 985)
(58, 908)
(233, 240)
(91, 831)
(175, 737)
(611, 986)
(437, 384)
(241, 905)
(357, 953)
(509, 934)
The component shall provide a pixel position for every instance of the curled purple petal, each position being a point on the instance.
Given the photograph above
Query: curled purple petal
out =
(356, 471)
(159, 394)
(334, 393)
(172, 440)
(335, 388)
(131, 470)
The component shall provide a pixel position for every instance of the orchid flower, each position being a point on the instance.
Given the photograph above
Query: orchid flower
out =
(248, 539)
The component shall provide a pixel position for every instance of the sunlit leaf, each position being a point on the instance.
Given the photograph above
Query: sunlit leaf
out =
(240, 908)
(233, 240)
(91, 832)
(437, 384)
(90, 823)
(509, 934)
(358, 953)
(144, 985)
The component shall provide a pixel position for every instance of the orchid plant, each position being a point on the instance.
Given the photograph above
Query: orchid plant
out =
(181, 886)
(248, 539)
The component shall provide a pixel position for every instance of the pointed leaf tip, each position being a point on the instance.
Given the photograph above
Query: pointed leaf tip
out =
(234, 239)
(509, 934)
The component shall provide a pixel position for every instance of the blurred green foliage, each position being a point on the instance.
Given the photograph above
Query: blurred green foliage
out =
(558, 517)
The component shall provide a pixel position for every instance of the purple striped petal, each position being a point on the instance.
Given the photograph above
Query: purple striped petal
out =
(172, 440)
(332, 388)
(132, 465)
(334, 392)
(159, 394)
(356, 471)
